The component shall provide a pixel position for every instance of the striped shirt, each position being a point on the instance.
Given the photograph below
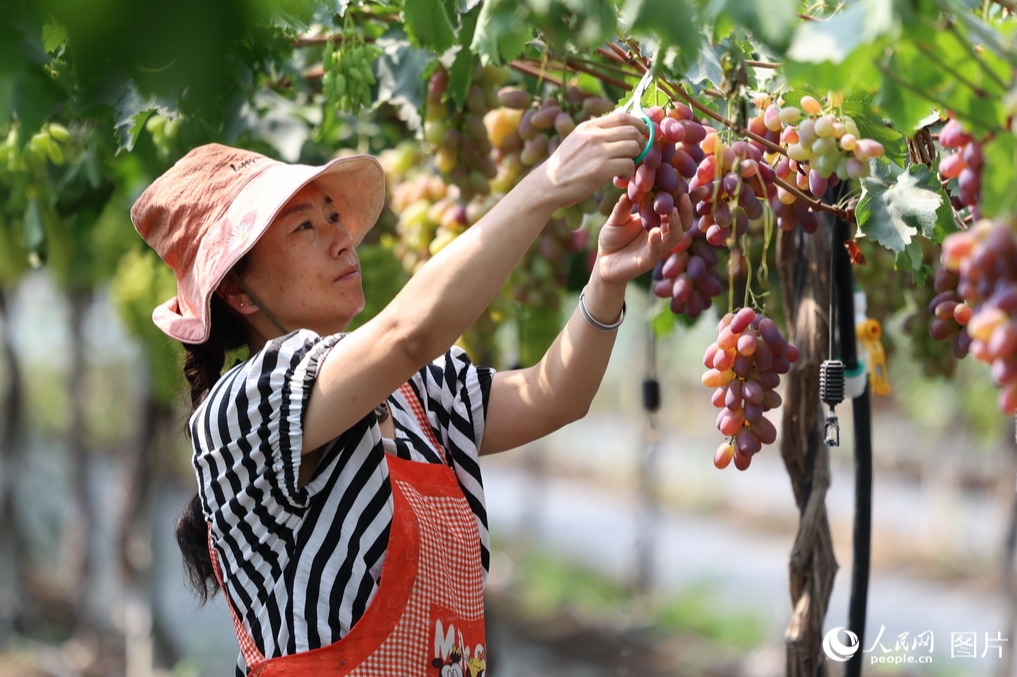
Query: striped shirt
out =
(301, 564)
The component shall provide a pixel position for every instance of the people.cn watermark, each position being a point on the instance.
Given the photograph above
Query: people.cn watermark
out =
(841, 645)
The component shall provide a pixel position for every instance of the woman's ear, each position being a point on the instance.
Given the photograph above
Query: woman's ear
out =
(235, 297)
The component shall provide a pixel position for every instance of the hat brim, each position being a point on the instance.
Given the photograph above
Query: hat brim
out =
(355, 183)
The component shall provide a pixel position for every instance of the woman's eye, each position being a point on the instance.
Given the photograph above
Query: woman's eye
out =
(304, 226)
(334, 218)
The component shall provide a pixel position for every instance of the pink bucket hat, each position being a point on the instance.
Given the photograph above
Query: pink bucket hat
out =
(210, 208)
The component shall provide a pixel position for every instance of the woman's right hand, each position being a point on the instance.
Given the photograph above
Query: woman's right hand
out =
(596, 151)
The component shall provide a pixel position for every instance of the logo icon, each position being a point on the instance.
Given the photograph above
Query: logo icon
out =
(837, 650)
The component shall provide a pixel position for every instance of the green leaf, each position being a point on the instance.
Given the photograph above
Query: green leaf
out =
(460, 75)
(401, 76)
(673, 21)
(428, 23)
(858, 69)
(706, 68)
(999, 187)
(54, 35)
(858, 105)
(771, 22)
(893, 215)
(502, 31)
(130, 111)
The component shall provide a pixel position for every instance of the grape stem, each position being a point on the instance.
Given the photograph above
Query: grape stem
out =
(761, 64)
(312, 40)
(605, 66)
(570, 63)
(815, 203)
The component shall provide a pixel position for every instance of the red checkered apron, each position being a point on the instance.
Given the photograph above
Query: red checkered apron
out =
(428, 612)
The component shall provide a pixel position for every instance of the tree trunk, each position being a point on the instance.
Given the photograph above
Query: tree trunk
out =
(145, 642)
(13, 544)
(804, 265)
(79, 528)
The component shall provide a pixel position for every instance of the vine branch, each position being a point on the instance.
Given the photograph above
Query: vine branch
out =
(528, 68)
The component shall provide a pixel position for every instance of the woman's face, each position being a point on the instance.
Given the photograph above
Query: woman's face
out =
(304, 270)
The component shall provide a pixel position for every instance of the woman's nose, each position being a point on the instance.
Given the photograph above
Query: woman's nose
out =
(341, 240)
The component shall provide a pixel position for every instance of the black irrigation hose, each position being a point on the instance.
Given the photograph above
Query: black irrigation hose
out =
(843, 288)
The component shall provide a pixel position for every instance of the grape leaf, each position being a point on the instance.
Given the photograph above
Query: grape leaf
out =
(857, 69)
(858, 105)
(53, 36)
(706, 68)
(999, 194)
(673, 21)
(460, 74)
(893, 215)
(771, 22)
(401, 76)
(428, 23)
(130, 111)
(502, 31)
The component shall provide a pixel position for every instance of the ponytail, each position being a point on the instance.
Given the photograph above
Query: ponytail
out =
(203, 365)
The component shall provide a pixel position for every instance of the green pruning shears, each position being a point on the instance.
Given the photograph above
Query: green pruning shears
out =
(635, 106)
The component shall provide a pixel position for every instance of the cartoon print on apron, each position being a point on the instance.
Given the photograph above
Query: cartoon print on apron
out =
(427, 616)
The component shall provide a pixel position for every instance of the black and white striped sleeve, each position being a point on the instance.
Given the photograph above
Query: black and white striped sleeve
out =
(248, 438)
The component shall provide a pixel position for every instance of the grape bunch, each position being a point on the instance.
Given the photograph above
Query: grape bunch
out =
(744, 367)
(543, 124)
(47, 144)
(423, 206)
(657, 185)
(951, 314)
(964, 164)
(823, 148)
(524, 132)
(734, 182)
(985, 261)
(689, 275)
(460, 139)
(349, 74)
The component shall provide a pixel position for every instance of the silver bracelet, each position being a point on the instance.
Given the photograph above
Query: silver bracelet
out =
(595, 323)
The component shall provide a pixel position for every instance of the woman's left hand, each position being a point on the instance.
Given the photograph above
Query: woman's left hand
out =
(626, 250)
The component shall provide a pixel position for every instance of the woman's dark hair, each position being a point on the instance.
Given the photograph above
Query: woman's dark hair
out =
(203, 365)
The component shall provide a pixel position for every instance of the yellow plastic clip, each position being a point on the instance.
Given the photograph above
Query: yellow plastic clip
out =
(868, 333)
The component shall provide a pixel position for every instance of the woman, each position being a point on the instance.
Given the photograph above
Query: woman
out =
(340, 503)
